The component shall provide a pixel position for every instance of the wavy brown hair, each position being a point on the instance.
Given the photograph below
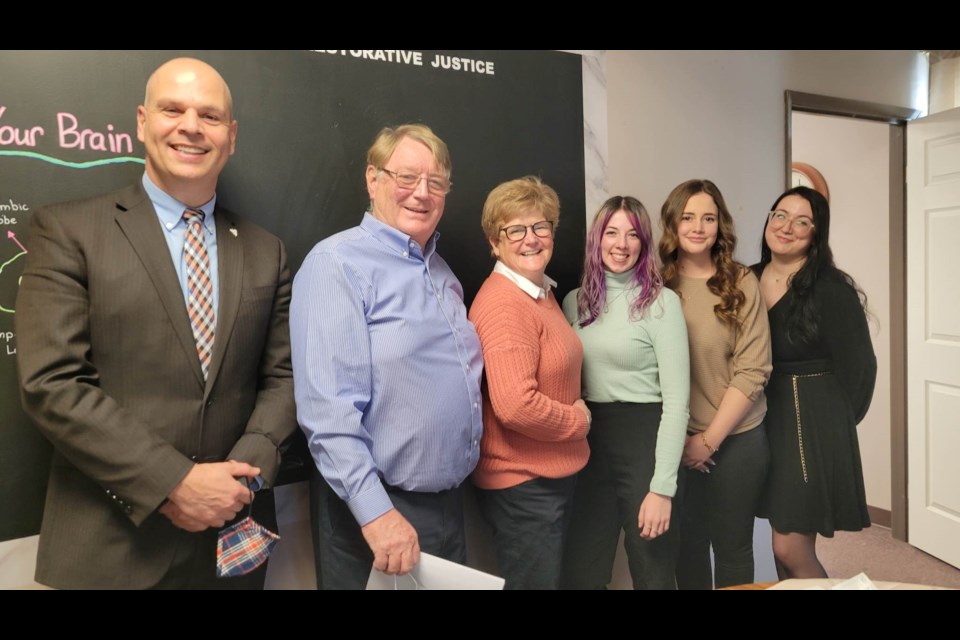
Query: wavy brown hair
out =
(725, 283)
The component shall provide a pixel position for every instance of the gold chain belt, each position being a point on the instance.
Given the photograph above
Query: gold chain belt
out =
(796, 406)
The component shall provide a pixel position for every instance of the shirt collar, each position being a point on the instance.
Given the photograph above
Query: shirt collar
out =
(397, 240)
(532, 289)
(170, 210)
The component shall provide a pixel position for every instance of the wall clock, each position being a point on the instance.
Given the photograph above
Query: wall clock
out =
(805, 175)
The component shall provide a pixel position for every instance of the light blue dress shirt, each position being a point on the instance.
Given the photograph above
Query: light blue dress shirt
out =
(386, 367)
(170, 212)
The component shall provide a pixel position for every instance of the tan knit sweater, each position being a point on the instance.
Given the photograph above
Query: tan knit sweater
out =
(531, 363)
(722, 356)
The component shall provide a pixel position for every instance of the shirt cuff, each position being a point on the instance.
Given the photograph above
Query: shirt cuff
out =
(664, 486)
(370, 505)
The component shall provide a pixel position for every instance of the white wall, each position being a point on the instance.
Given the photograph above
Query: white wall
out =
(18, 559)
(676, 115)
(944, 85)
(853, 156)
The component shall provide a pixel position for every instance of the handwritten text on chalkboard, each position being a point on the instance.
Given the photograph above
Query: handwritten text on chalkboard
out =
(70, 135)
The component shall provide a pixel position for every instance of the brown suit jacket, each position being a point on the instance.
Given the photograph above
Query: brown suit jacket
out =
(110, 374)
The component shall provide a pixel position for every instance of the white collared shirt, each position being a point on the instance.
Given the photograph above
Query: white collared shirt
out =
(532, 289)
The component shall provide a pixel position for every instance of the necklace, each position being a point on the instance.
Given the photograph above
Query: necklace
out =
(782, 276)
(787, 273)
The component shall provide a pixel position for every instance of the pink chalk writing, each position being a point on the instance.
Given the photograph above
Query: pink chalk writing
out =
(17, 136)
(70, 135)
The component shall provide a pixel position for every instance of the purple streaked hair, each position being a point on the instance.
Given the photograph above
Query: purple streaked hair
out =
(646, 276)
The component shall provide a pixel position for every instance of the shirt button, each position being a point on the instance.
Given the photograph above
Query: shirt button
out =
(404, 254)
(474, 405)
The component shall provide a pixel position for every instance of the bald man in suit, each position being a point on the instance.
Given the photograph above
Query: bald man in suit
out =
(160, 412)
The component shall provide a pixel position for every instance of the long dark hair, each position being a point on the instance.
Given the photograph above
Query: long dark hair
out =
(801, 325)
(725, 283)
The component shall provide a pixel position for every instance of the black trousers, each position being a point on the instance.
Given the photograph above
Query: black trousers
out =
(343, 558)
(529, 522)
(610, 490)
(719, 509)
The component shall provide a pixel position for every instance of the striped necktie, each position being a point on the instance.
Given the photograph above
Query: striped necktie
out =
(203, 318)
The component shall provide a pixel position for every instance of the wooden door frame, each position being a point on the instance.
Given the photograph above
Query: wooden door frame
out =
(897, 117)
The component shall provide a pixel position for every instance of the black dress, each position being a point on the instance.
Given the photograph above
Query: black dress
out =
(819, 391)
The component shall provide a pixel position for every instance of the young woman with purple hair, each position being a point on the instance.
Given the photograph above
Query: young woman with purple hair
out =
(636, 381)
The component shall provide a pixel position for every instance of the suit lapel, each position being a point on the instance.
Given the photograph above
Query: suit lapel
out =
(230, 258)
(138, 221)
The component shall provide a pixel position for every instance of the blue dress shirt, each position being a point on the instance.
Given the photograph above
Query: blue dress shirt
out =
(170, 212)
(386, 367)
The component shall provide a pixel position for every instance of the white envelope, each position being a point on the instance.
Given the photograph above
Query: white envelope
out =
(434, 574)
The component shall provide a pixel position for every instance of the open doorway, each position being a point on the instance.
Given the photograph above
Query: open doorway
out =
(858, 150)
(851, 157)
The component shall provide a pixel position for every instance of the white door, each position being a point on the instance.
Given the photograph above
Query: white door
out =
(933, 335)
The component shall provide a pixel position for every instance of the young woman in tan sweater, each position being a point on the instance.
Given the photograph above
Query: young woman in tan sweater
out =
(726, 453)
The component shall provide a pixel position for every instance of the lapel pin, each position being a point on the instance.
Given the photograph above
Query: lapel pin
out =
(233, 230)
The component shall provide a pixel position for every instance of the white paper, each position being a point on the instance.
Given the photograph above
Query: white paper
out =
(434, 574)
(859, 582)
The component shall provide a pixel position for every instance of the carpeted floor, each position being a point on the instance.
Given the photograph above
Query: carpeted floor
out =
(874, 552)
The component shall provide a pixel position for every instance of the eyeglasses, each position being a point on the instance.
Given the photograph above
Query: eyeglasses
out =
(802, 225)
(517, 232)
(436, 185)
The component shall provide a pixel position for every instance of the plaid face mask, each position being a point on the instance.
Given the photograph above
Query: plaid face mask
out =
(243, 547)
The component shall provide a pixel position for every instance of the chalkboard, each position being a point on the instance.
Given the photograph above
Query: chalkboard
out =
(306, 118)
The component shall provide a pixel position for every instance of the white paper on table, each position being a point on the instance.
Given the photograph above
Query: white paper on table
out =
(434, 574)
(859, 582)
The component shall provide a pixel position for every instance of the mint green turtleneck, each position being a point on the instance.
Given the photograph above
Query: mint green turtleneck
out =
(640, 360)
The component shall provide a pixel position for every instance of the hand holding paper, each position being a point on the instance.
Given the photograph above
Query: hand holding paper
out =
(394, 542)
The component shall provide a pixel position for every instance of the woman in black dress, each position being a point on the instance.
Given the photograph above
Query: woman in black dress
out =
(824, 371)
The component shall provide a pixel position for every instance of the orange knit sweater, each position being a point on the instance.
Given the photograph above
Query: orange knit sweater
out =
(531, 363)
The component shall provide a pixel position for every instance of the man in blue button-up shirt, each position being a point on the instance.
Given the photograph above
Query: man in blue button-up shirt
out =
(387, 373)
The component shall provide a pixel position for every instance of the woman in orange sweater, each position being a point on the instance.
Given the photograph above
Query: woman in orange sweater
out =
(534, 422)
